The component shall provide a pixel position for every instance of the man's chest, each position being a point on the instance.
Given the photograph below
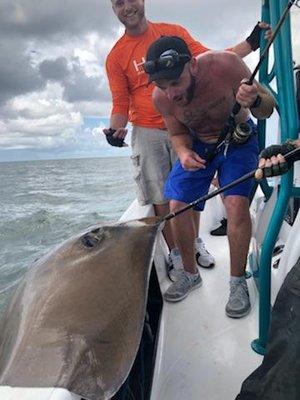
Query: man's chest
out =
(210, 109)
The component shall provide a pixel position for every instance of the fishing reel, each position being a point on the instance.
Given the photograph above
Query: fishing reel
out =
(241, 133)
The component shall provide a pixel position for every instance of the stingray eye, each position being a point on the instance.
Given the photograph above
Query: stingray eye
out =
(88, 240)
(92, 238)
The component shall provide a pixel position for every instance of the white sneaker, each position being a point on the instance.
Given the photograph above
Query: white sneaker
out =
(175, 265)
(203, 257)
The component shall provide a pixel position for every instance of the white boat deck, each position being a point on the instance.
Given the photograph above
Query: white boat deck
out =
(203, 354)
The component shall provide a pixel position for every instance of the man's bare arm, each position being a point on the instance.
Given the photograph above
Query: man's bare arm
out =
(265, 105)
(179, 133)
(181, 140)
(120, 97)
(246, 95)
(118, 122)
(245, 47)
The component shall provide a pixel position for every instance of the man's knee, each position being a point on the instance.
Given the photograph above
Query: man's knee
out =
(176, 205)
(237, 208)
(161, 209)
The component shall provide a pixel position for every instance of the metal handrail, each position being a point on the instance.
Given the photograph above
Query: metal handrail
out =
(289, 121)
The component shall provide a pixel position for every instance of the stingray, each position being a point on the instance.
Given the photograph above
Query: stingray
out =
(76, 320)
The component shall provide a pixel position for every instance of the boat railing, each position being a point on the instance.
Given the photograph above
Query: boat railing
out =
(284, 94)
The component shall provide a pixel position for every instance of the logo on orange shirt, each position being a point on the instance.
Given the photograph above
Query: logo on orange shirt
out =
(139, 66)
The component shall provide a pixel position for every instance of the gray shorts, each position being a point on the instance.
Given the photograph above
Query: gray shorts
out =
(152, 158)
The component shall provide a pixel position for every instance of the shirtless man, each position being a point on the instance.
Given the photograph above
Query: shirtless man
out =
(195, 98)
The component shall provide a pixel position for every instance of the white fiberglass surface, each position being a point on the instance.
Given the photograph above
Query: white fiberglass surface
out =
(203, 354)
(8, 393)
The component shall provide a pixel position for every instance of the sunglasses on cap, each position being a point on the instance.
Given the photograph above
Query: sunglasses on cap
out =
(167, 60)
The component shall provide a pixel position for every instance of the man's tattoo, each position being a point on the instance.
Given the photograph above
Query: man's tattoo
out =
(192, 118)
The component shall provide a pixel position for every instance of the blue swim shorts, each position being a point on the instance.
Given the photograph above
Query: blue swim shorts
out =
(236, 161)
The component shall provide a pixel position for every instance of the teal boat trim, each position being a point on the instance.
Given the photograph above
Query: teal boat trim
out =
(289, 124)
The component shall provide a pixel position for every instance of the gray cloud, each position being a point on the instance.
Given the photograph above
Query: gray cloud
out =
(17, 73)
(42, 23)
(28, 24)
(53, 54)
(55, 70)
(78, 86)
(81, 87)
(32, 18)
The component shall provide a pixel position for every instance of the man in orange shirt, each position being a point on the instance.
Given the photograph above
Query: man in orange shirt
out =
(152, 154)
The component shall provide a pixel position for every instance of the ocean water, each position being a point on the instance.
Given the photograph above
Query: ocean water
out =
(43, 203)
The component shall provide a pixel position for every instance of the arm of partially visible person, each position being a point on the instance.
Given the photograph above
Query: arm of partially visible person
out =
(118, 122)
(120, 98)
(252, 42)
(242, 49)
(181, 140)
(272, 161)
(255, 97)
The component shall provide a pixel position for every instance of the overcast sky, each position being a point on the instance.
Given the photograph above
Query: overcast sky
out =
(54, 96)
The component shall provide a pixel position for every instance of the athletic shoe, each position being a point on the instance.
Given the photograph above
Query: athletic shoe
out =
(203, 257)
(221, 230)
(184, 284)
(239, 303)
(175, 265)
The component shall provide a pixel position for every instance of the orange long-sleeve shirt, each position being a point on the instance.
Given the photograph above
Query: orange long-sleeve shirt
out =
(131, 93)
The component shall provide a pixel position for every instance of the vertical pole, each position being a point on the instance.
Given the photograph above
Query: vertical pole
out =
(288, 123)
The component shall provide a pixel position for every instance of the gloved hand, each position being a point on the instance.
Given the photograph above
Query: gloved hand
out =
(272, 162)
(115, 141)
(254, 38)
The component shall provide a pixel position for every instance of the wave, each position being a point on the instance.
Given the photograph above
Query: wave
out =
(46, 202)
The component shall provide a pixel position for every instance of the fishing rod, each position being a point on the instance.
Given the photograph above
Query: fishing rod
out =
(229, 126)
(258, 173)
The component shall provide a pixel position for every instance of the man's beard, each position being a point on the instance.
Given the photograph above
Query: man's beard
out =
(191, 90)
(140, 16)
